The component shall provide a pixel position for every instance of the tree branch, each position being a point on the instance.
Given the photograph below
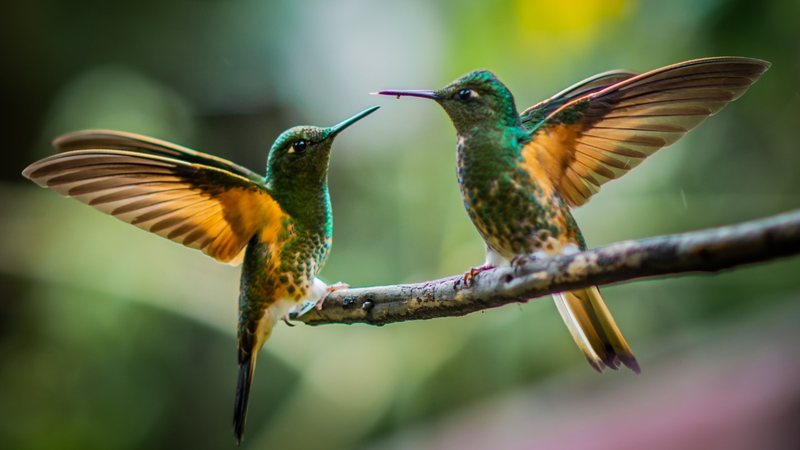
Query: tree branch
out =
(699, 251)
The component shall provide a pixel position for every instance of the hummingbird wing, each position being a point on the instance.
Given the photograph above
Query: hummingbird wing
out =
(602, 135)
(534, 115)
(197, 205)
(120, 140)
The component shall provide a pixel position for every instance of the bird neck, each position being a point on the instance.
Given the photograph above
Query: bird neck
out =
(486, 153)
(306, 201)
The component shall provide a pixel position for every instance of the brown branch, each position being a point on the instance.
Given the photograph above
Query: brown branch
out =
(699, 251)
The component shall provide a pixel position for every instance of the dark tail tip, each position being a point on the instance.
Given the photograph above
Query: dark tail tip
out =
(631, 363)
(622, 357)
(242, 396)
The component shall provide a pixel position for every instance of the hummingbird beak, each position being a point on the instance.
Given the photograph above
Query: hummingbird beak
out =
(336, 129)
(410, 93)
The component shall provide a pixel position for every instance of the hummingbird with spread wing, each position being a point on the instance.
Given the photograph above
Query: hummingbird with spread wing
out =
(519, 174)
(278, 225)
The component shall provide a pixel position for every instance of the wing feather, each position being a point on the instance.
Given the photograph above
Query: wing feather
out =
(120, 140)
(533, 116)
(601, 135)
(197, 205)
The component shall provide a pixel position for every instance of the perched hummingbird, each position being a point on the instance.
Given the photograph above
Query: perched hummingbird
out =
(280, 224)
(519, 174)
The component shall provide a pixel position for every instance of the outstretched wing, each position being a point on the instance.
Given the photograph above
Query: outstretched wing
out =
(533, 116)
(120, 140)
(198, 205)
(600, 136)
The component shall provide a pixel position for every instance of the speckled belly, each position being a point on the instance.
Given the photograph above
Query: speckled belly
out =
(284, 270)
(514, 217)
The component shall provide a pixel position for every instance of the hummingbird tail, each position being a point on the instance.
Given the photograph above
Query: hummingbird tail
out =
(247, 364)
(251, 337)
(593, 328)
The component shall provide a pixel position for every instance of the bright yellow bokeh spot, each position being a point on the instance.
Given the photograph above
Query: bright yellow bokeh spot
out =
(576, 23)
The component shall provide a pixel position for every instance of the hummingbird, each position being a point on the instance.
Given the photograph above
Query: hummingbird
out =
(521, 173)
(278, 225)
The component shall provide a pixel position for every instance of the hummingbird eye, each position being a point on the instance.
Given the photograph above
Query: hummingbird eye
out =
(299, 146)
(465, 94)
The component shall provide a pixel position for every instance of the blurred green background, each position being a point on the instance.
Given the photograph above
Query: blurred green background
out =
(111, 338)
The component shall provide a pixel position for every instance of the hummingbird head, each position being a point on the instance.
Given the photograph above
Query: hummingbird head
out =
(300, 155)
(474, 100)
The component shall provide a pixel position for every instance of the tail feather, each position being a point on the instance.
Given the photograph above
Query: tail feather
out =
(256, 321)
(246, 367)
(593, 328)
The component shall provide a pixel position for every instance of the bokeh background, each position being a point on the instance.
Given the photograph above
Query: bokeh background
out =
(111, 338)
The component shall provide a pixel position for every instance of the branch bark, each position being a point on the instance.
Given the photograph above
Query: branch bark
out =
(709, 250)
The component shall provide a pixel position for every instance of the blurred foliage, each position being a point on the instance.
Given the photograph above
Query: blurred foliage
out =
(112, 338)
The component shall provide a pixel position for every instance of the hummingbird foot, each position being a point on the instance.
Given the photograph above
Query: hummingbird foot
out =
(287, 316)
(338, 286)
(469, 276)
(298, 311)
(518, 262)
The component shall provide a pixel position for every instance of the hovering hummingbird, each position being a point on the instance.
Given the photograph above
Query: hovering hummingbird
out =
(280, 224)
(520, 174)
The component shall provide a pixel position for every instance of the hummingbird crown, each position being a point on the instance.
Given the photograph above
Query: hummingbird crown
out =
(301, 154)
(292, 135)
(478, 98)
